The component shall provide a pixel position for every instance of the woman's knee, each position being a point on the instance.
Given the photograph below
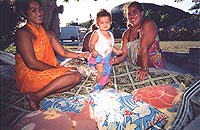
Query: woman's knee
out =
(77, 77)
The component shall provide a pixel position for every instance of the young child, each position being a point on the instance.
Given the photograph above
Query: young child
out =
(87, 37)
(101, 46)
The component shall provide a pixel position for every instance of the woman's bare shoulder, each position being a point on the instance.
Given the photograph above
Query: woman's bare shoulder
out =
(23, 37)
(149, 22)
(150, 25)
(51, 35)
(126, 33)
(23, 31)
(25, 34)
(88, 35)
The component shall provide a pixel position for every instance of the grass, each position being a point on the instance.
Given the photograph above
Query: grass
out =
(179, 46)
(170, 46)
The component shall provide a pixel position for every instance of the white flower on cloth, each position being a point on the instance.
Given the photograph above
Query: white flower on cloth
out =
(142, 109)
(115, 117)
(63, 103)
(107, 107)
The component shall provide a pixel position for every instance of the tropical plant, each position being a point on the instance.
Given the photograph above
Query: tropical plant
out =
(196, 7)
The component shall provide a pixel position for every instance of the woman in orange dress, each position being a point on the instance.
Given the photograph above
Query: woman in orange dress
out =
(37, 72)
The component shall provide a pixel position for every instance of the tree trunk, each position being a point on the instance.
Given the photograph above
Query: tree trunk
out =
(51, 20)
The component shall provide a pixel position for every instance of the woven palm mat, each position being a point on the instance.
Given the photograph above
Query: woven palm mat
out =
(14, 104)
(123, 77)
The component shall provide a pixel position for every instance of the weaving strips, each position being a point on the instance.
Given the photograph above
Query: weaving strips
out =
(124, 78)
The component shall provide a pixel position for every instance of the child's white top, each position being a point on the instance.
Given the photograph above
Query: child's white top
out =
(104, 45)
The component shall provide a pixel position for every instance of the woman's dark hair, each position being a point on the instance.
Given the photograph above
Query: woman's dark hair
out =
(103, 13)
(137, 4)
(21, 6)
(128, 5)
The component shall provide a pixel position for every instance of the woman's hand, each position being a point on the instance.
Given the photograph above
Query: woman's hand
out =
(85, 54)
(142, 74)
(112, 60)
(119, 52)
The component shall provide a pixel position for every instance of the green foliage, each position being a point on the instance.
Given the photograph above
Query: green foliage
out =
(11, 49)
(183, 30)
(87, 24)
(196, 7)
(163, 17)
(148, 13)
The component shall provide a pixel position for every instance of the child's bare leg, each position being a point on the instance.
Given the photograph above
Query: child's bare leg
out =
(99, 68)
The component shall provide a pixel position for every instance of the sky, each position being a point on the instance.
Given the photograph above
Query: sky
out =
(80, 11)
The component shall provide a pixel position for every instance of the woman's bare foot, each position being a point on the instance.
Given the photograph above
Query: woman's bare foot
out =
(33, 101)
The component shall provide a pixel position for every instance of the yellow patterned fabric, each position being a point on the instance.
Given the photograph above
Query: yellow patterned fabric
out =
(28, 80)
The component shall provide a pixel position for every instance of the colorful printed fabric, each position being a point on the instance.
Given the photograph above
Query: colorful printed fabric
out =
(28, 80)
(112, 109)
(156, 58)
(92, 61)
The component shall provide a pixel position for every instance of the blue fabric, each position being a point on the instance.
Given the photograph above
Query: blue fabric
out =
(112, 109)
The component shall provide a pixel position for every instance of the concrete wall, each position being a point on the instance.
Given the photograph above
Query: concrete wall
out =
(190, 61)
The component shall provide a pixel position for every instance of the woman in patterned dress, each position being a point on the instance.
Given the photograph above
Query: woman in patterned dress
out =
(140, 42)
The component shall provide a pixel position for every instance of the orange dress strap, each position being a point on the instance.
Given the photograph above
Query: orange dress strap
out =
(28, 80)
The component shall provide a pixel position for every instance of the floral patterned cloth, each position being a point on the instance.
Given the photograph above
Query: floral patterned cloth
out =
(112, 109)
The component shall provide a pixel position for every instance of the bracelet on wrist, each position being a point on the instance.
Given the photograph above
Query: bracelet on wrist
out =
(145, 69)
(78, 55)
(93, 50)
